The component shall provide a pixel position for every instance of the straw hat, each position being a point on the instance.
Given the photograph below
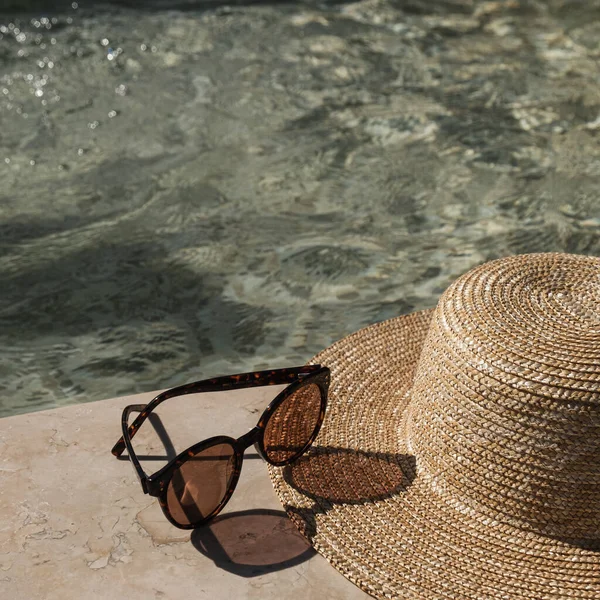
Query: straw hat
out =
(460, 454)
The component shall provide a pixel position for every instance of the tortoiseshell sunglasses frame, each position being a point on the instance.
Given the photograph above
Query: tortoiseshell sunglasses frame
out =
(157, 484)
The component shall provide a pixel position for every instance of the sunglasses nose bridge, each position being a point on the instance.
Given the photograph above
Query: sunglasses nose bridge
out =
(249, 438)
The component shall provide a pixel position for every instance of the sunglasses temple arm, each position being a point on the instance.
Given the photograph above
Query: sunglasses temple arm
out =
(130, 430)
(219, 384)
(142, 476)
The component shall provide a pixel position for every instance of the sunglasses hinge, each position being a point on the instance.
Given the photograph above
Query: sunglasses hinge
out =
(152, 487)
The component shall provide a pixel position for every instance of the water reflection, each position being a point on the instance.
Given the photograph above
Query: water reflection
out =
(181, 199)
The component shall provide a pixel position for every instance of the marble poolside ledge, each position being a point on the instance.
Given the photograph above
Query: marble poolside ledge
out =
(74, 522)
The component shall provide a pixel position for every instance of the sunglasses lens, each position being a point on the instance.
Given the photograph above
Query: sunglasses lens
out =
(200, 484)
(292, 425)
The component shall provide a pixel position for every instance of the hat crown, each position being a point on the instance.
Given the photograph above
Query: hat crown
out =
(505, 408)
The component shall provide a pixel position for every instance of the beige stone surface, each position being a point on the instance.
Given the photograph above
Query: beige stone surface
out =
(74, 522)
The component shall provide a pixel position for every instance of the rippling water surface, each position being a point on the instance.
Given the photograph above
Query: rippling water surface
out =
(192, 189)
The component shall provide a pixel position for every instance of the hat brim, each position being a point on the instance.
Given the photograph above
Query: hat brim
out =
(358, 498)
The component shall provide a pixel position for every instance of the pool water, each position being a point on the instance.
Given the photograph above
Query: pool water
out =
(191, 189)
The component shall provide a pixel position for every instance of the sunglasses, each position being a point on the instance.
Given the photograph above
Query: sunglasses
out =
(197, 484)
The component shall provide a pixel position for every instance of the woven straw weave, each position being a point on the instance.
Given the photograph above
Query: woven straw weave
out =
(460, 453)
